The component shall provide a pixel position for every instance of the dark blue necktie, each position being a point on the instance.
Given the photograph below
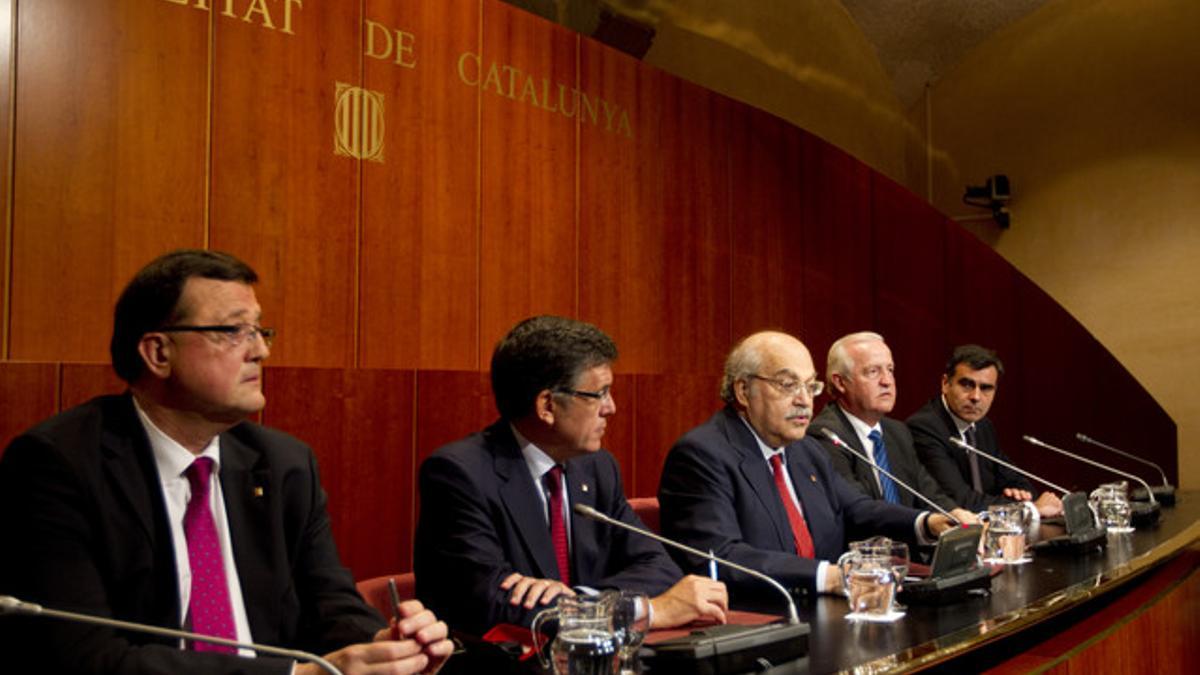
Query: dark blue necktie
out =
(890, 492)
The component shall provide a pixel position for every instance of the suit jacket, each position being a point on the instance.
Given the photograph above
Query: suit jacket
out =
(482, 519)
(717, 492)
(901, 456)
(83, 512)
(931, 428)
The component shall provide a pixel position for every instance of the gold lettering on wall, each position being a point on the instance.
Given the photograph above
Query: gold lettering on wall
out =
(358, 123)
(383, 42)
(252, 11)
(510, 82)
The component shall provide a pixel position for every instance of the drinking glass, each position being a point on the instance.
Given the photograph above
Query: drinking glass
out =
(899, 554)
(631, 621)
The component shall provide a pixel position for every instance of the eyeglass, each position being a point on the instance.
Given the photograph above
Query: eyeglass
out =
(793, 387)
(604, 394)
(234, 335)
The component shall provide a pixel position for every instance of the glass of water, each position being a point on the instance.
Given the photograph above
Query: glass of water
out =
(631, 622)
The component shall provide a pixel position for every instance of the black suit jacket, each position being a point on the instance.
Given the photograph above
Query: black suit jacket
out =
(482, 519)
(717, 492)
(901, 456)
(84, 518)
(931, 428)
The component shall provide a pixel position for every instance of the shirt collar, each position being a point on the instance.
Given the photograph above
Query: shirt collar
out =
(959, 423)
(171, 458)
(536, 459)
(860, 427)
(767, 451)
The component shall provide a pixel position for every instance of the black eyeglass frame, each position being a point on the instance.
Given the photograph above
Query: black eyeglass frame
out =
(229, 330)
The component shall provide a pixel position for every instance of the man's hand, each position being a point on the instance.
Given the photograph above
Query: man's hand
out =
(937, 523)
(415, 644)
(964, 516)
(694, 598)
(833, 580)
(1048, 505)
(1018, 495)
(529, 591)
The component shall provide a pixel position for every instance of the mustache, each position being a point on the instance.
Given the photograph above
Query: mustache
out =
(800, 411)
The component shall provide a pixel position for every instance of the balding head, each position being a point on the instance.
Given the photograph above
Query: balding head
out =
(768, 379)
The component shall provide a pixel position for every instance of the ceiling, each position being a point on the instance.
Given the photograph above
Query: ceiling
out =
(917, 41)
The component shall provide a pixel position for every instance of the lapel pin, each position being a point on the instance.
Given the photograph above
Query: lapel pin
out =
(812, 477)
(584, 487)
(258, 491)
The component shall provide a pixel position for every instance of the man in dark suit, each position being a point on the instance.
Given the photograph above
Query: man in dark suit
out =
(497, 540)
(164, 506)
(968, 390)
(862, 384)
(749, 485)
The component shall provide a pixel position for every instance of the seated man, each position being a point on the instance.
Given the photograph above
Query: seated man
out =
(497, 540)
(750, 486)
(164, 506)
(968, 390)
(862, 384)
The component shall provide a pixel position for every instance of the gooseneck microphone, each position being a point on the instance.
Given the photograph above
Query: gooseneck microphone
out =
(970, 448)
(585, 510)
(1165, 492)
(1034, 441)
(846, 448)
(11, 605)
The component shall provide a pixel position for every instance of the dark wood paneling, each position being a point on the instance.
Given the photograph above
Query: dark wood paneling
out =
(451, 405)
(671, 405)
(908, 260)
(109, 161)
(82, 382)
(529, 262)
(6, 79)
(281, 199)
(981, 308)
(360, 424)
(420, 231)
(654, 244)
(30, 393)
(767, 240)
(835, 226)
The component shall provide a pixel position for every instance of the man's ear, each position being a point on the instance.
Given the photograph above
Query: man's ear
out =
(155, 350)
(741, 391)
(543, 407)
(838, 382)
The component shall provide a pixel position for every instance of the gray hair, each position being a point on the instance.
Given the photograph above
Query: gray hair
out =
(743, 361)
(839, 360)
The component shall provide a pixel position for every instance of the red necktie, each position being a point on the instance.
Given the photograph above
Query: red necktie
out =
(558, 527)
(804, 542)
(209, 606)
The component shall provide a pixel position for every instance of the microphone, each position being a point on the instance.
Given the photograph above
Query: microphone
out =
(11, 605)
(959, 442)
(1165, 492)
(828, 433)
(585, 510)
(1031, 439)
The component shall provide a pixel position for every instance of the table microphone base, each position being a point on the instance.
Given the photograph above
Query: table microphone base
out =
(730, 649)
(1164, 494)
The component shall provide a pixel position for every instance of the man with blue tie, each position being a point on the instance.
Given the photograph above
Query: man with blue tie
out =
(862, 384)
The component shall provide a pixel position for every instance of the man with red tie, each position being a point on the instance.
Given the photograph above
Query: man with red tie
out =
(750, 486)
(497, 540)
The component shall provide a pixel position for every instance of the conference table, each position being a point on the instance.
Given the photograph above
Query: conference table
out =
(1027, 605)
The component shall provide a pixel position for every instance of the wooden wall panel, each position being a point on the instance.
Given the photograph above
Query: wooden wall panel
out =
(766, 240)
(6, 100)
(82, 382)
(360, 424)
(672, 404)
(654, 245)
(908, 261)
(30, 394)
(835, 223)
(420, 231)
(110, 107)
(529, 263)
(281, 199)
(451, 405)
(981, 308)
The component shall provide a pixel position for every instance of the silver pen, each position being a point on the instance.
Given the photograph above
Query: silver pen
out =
(712, 566)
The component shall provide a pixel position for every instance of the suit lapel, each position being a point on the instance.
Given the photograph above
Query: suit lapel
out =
(961, 457)
(524, 506)
(860, 468)
(757, 473)
(245, 485)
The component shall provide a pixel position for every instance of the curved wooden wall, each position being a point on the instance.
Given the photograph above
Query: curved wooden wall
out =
(672, 217)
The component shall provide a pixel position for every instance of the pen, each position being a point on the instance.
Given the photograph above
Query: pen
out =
(394, 597)
(712, 566)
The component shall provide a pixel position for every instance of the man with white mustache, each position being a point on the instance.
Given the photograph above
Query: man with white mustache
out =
(750, 486)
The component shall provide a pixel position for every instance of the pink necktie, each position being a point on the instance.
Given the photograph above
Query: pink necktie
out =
(803, 540)
(209, 606)
(558, 527)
